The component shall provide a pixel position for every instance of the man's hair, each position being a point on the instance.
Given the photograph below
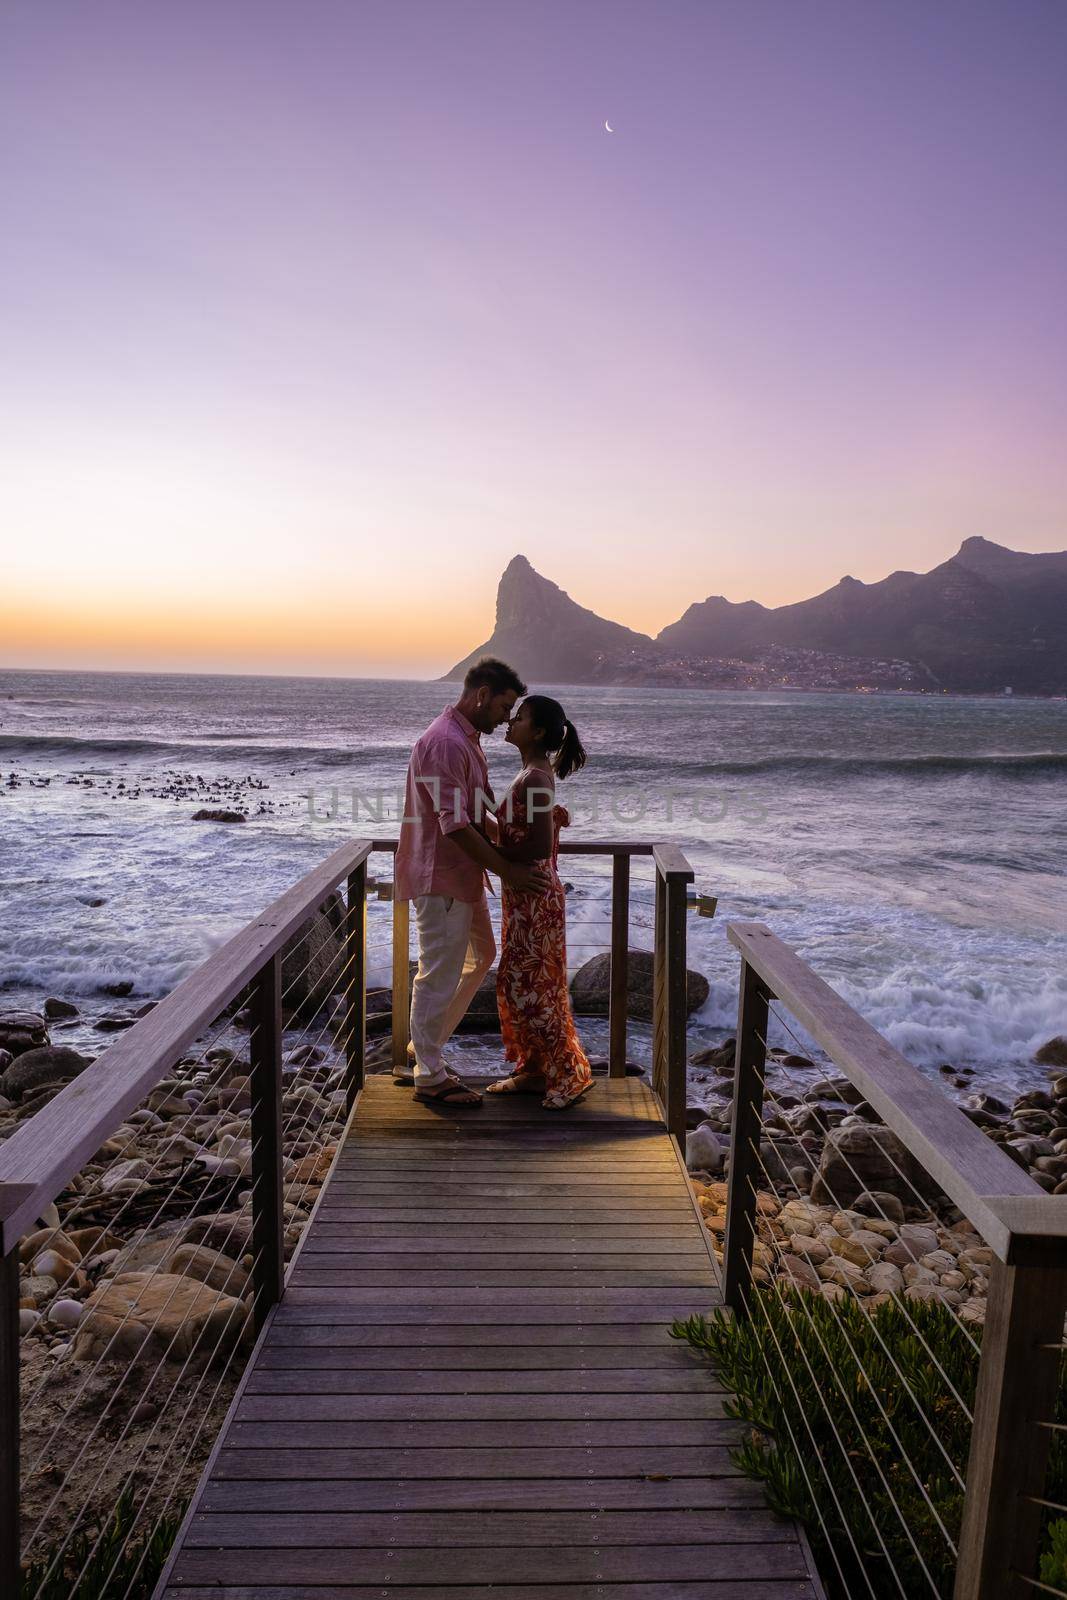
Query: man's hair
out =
(497, 676)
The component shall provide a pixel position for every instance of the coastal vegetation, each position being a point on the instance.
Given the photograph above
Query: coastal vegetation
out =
(858, 1428)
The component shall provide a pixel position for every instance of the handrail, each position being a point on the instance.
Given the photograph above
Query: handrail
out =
(578, 847)
(42, 1156)
(1025, 1229)
(987, 1185)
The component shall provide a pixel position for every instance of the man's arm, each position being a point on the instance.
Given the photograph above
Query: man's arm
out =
(449, 781)
(525, 879)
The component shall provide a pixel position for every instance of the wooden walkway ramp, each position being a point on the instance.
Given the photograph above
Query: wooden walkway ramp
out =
(469, 1388)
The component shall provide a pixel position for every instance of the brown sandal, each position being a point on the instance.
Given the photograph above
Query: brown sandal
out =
(448, 1093)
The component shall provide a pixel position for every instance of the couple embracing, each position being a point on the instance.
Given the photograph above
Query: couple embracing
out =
(454, 835)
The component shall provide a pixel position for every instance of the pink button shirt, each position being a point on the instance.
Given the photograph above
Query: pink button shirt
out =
(446, 771)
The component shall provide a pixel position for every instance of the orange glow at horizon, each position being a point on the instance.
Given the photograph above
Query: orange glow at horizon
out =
(335, 635)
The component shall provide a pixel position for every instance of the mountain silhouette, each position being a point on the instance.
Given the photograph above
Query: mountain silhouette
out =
(986, 619)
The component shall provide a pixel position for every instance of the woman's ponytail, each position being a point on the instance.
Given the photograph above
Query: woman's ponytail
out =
(557, 734)
(571, 754)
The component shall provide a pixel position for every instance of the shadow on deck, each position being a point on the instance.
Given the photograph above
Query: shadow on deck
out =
(469, 1385)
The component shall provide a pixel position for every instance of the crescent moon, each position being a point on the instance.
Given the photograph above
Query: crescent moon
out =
(609, 128)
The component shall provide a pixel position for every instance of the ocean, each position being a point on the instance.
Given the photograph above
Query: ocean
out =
(912, 848)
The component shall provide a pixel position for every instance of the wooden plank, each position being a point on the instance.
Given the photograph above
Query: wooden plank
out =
(478, 1407)
(442, 1266)
(501, 1464)
(452, 1530)
(958, 1156)
(531, 1240)
(464, 1188)
(667, 1301)
(45, 1152)
(513, 1433)
(517, 1380)
(607, 1216)
(309, 1325)
(518, 1356)
(672, 1589)
(426, 1283)
(638, 1493)
(315, 1307)
(465, 1566)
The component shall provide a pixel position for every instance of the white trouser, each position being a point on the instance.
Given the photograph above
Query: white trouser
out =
(456, 950)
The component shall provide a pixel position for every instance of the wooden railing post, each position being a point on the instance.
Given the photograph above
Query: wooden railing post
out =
(750, 1060)
(620, 964)
(670, 986)
(401, 982)
(659, 992)
(10, 1553)
(356, 985)
(268, 1202)
(1018, 1381)
(675, 1008)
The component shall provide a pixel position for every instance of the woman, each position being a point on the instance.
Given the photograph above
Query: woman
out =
(531, 986)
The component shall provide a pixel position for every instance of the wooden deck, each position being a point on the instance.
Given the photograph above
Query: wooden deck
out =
(469, 1388)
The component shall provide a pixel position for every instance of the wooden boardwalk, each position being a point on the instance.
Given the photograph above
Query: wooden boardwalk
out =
(469, 1388)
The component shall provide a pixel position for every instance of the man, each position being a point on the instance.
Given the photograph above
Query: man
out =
(441, 866)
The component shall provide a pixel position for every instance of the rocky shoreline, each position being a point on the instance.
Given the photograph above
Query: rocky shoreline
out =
(136, 1287)
(842, 1206)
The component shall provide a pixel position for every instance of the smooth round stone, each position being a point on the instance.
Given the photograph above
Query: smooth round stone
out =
(28, 1320)
(703, 1152)
(65, 1313)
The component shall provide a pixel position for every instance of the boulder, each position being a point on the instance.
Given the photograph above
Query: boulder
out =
(228, 1231)
(176, 1255)
(1053, 1053)
(157, 1314)
(837, 1088)
(878, 1203)
(313, 960)
(54, 1007)
(703, 1152)
(868, 1156)
(21, 1031)
(799, 1270)
(720, 1055)
(218, 814)
(591, 986)
(46, 1066)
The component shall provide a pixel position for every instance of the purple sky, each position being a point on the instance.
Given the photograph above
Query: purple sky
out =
(313, 313)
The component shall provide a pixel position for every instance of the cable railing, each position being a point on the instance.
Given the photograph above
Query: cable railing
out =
(608, 933)
(902, 1371)
(167, 1189)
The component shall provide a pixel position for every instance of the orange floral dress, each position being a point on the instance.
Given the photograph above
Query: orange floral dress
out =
(531, 984)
